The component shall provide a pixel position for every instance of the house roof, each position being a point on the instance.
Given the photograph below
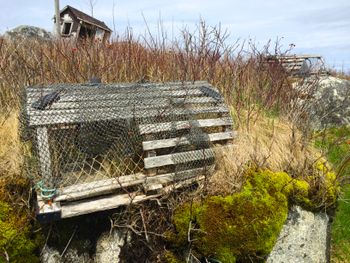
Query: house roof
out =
(86, 18)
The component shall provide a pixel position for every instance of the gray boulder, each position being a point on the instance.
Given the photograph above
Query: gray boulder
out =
(303, 238)
(108, 246)
(25, 32)
(329, 104)
(52, 255)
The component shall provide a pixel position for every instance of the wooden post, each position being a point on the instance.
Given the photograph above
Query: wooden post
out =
(44, 157)
(57, 18)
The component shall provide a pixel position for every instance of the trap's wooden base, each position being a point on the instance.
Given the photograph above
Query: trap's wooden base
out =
(109, 194)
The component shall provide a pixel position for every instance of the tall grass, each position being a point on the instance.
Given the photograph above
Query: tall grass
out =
(251, 86)
(238, 70)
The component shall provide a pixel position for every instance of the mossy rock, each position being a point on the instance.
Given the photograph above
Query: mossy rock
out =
(241, 226)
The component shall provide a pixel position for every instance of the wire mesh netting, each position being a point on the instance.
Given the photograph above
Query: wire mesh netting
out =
(83, 134)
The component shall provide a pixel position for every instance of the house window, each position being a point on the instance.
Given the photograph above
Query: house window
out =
(66, 28)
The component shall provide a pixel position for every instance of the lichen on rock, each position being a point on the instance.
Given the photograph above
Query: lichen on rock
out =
(302, 239)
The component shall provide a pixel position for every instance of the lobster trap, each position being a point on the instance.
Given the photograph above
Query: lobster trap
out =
(99, 146)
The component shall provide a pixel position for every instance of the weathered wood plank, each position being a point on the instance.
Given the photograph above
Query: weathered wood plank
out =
(137, 110)
(181, 125)
(136, 96)
(178, 158)
(289, 65)
(150, 103)
(102, 203)
(45, 210)
(173, 142)
(87, 190)
(168, 178)
(292, 66)
(44, 156)
(119, 87)
(111, 88)
(81, 116)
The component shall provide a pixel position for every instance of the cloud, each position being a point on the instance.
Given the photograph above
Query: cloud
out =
(325, 16)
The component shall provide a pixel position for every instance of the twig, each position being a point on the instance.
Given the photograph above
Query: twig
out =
(6, 255)
(69, 241)
(144, 224)
(47, 239)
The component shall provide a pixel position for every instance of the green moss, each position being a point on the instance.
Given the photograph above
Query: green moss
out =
(183, 217)
(324, 187)
(15, 237)
(241, 225)
(300, 193)
(169, 257)
(246, 224)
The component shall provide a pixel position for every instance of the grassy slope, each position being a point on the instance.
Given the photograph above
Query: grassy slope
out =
(341, 229)
(336, 141)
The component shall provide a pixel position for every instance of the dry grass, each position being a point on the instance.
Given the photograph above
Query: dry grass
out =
(274, 143)
(11, 155)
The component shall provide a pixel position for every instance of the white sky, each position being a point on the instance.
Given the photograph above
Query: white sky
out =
(314, 26)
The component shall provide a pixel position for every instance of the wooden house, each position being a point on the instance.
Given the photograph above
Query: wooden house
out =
(76, 24)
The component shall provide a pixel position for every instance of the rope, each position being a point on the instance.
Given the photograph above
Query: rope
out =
(46, 193)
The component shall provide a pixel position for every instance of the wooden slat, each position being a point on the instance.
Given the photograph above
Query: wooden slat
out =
(102, 203)
(87, 190)
(166, 143)
(127, 85)
(168, 189)
(78, 91)
(132, 104)
(292, 64)
(291, 60)
(141, 109)
(165, 179)
(71, 116)
(178, 158)
(120, 87)
(180, 125)
(140, 96)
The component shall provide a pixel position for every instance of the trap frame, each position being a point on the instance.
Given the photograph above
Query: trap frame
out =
(99, 146)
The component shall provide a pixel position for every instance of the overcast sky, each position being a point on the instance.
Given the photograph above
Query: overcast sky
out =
(314, 26)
